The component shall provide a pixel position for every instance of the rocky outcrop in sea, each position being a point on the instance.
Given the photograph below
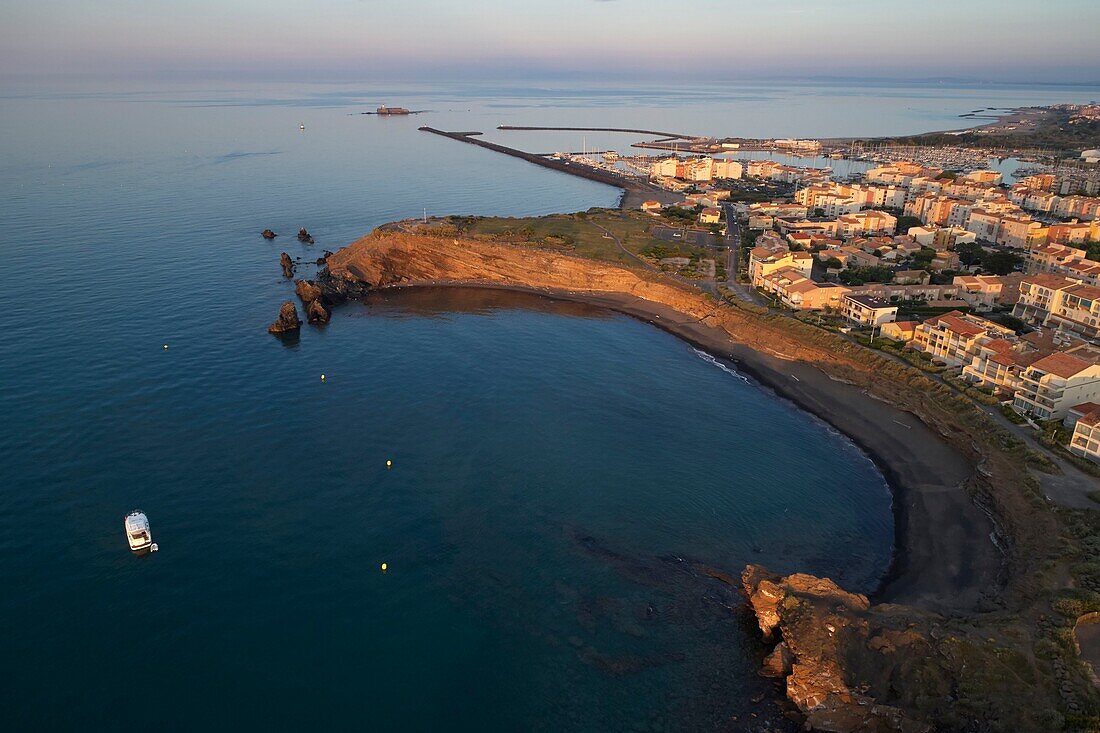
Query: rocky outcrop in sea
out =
(287, 321)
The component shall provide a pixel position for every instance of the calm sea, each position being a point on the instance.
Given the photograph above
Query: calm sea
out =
(556, 469)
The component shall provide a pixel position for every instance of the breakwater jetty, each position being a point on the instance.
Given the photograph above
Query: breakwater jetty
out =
(657, 133)
(592, 173)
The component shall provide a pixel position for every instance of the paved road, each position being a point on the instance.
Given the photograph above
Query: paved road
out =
(744, 291)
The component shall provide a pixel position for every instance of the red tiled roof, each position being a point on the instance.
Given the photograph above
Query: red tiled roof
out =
(952, 322)
(1061, 365)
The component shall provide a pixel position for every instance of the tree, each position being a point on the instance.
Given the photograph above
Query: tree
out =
(833, 264)
(1000, 263)
(970, 253)
(924, 257)
(861, 275)
(905, 223)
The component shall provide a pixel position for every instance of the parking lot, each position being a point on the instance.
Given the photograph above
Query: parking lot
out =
(693, 237)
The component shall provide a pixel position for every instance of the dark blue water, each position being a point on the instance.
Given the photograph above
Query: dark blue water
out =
(559, 471)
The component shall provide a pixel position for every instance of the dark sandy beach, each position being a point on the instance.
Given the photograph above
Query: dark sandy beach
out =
(945, 558)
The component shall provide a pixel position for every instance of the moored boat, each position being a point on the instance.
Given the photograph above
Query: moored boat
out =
(138, 533)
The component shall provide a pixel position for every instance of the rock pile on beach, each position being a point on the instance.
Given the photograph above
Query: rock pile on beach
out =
(287, 321)
(268, 234)
(288, 265)
(304, 236)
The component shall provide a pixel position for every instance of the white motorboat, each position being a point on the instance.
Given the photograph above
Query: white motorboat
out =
(138, 534)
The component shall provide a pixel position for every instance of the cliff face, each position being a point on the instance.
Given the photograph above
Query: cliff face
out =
(819, 627)
(383, 259)
(853, 666)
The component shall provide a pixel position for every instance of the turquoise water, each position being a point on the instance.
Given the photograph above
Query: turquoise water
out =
(558, 470)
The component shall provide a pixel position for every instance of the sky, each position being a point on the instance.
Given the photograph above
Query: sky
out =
(982, 40)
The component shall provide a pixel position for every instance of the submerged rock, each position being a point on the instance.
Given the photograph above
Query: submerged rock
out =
(288, 265)
(287, 321)
(268, 234)
(304, 236)
(316, 312)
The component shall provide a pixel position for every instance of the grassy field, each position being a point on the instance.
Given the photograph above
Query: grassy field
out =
(582, 234)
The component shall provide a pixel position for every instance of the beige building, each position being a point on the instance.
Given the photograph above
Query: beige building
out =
(1064, 260)
(710, 216)
(1058, 302)
(797, 291)
(1052, 385)
(1011, 230)
(998, 364)
(954, 337)
(867, 311)
(764, 260)
(1085, 441)
(941, 238)
(899, 330)
(865, 223)
(981, 292)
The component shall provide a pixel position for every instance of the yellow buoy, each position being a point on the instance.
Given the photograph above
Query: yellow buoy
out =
(166, 347)
(385, 567)
(389, 463)
(322, 377)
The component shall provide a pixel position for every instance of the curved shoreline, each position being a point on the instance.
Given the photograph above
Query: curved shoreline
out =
(943, 556)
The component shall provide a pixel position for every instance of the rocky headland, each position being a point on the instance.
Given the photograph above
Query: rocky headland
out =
(973, 625)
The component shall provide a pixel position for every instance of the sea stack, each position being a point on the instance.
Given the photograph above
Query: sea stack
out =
(304, 236)
(308, 291)
(287, 321)
(268, 234)
(288, 265)
(316, 312)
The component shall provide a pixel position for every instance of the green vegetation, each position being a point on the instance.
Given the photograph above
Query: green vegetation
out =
(861, 275)
(680, 215)
(1009, 321)
(582, 234)
(1051, 131)
(905, 223)
(1000, 263)
(922, 259)
(1092, 251)
(970, 253)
